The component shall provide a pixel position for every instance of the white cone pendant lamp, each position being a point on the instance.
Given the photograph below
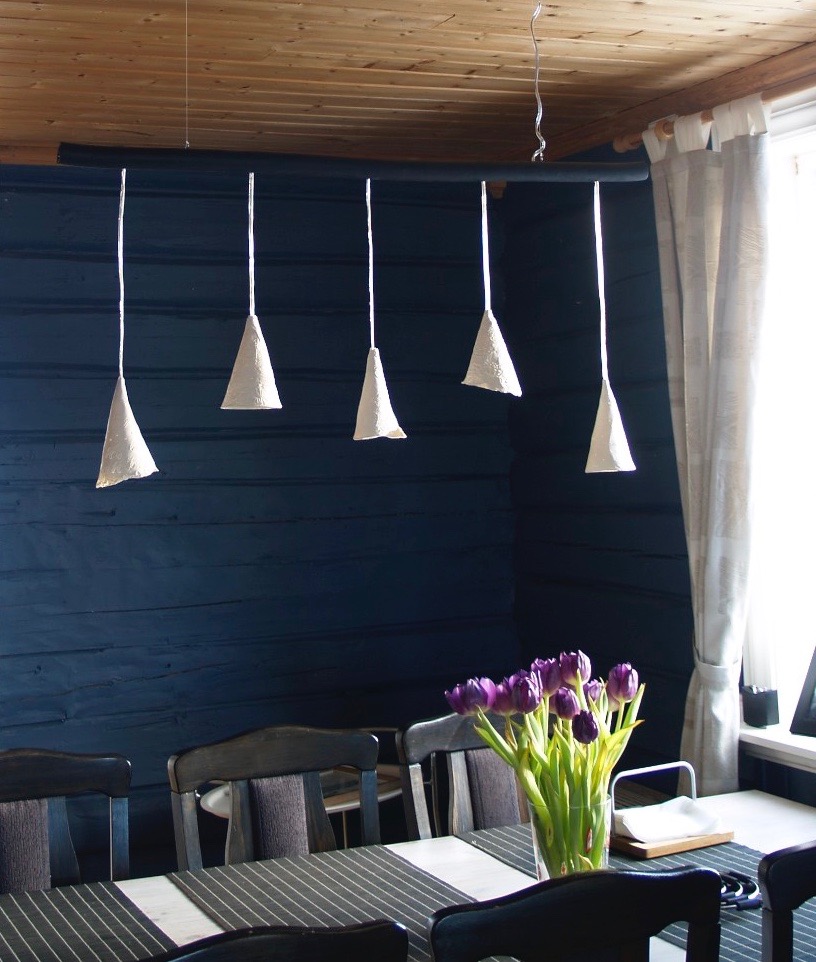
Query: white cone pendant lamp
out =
(608, 449)
(125, 455)
(252, 384)
(375, 416)
(490, 364)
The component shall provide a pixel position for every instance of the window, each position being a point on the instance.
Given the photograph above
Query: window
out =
(782, 628)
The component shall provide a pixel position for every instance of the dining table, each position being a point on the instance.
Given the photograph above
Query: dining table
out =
(406, 881)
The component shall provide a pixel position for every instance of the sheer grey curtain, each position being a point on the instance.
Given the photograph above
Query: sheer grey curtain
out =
(711, 214)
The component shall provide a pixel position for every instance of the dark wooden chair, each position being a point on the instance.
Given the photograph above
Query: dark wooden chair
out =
(482, 788)
(276, 801)
(35, 838)
(593, 915)
(787, 878)
(381, 941)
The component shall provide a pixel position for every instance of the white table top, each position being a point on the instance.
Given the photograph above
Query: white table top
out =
(760, 821)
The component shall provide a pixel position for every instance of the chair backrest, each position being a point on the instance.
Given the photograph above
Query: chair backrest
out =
(35, 839)
(276, 801)
(482, 789)
(589, 915)
(787, 878)
(381, 940)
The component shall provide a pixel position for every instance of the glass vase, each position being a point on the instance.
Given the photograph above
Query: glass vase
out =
(574, 839)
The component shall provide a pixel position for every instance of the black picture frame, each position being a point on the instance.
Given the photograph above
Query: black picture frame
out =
(804, 718)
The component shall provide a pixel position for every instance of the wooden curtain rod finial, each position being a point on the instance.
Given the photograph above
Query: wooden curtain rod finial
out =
(663, 130)
(623, 143)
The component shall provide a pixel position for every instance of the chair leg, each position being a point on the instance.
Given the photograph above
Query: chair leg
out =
(777, 935)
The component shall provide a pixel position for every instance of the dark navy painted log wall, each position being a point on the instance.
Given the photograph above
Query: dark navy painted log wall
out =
(600, 559)
(275, 570)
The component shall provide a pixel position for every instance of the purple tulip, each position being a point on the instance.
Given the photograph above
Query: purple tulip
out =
(622, 685)
(585, 727)
(474, 693)
(504, 698)
(480, 693)
(565, 703)
(525, 691)
(593, 689)
(456, 699)
(575, 667)
(549, 674)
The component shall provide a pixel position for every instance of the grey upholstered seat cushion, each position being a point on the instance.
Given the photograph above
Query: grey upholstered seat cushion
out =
(24, 855)
(279, 816)
(493, 791)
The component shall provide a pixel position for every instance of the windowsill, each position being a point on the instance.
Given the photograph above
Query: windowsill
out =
(776, 744)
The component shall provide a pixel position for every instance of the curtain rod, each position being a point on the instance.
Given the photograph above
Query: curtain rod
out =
(296, 165)
(664, 128)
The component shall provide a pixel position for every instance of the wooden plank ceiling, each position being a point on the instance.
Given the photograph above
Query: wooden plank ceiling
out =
(440, 80)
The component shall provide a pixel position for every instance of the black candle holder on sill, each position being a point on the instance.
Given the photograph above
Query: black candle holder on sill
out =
(760, 706)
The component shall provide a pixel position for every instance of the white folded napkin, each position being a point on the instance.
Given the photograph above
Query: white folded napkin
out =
(680, 817)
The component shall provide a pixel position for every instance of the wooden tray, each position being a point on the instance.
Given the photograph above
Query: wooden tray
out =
(669, 846)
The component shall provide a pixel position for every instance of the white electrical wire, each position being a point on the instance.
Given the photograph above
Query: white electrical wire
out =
(601, 286)
(251, 241)
(186, 78)
(120, 255)
(370, 262)
(485, 250)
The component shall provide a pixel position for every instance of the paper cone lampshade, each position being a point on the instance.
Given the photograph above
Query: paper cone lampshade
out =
(608, 449)
(125, 455)
(490, 364)
(252, 384)
(375, 418)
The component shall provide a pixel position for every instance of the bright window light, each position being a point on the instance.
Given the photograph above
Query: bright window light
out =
(782, 629)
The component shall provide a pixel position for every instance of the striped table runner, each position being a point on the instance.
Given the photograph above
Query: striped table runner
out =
(77, 923)
(331, 888)
(741, 938)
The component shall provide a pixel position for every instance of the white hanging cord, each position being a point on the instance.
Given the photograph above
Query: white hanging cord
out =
(120, 254)
(539, 152)
(485, 250)
(601, 289)
(251, 238)
(186, 79)
(370, 263)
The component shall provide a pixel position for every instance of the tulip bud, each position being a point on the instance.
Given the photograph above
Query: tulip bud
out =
(456, 699)
(575, 667)
(504, 698)
(585, 727)
(525, 692)
(474, 693)
(565, 703)
(622, 685)
(593, 689)
(479, 693)
(549, 674)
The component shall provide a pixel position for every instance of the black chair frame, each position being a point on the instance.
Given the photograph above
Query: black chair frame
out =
(276, 750)
(424, 743)
(582, 916)
(38, 773)
(787, 878)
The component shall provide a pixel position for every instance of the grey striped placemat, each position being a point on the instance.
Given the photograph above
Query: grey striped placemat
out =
(77, 923)
(741, 937)
(332, 888)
